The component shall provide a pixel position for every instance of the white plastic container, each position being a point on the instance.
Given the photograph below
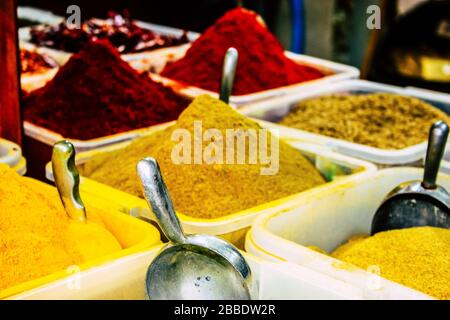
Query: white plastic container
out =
(49, 137)
(11, 154)
(335, 72)
(125, 279)
(273, 110)
(61, 57)
(328, 220)
(338, 168)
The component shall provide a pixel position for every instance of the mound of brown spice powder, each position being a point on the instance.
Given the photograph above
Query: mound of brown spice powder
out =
(97, 94)
(206, 190)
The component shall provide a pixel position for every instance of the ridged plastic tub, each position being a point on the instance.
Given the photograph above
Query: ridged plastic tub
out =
(329, 219)
(124, 279)
(273, 110)
(336, 168)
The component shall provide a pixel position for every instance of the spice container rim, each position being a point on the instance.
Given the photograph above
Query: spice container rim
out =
(376, 155)
(228, 223)
(61, 56)
(267, 240)
(148, 237)
(131, 270)
(334, 72)
(49, 137)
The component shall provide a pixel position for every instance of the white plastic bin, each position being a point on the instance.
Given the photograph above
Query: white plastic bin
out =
(125, 279)
(62, 56)
(335, 72)
(11, 154)
(328, 220)
(271, 111)
(338, 168)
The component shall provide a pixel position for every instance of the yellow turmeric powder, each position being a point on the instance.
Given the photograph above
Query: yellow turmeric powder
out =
(207, 190)
(418, 258)
(36, 236)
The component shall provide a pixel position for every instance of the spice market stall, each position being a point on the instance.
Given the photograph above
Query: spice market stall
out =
(143, 161)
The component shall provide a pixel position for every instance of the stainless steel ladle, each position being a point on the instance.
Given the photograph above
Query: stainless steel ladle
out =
(228, 74)
(418, 203)
(67, 180)
(199, 267)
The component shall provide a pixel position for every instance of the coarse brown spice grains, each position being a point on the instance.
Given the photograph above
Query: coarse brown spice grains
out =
(381, 120)
(206, 190)
(418, 258)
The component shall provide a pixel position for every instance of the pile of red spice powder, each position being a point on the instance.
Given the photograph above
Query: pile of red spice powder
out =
(262, 64)
(97, 94)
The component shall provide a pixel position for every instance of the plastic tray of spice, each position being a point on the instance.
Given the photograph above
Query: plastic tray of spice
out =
(145, 55)
(133, 235)
(273, 110)
(337, 169)
(334, 72)
(330, 219)
(83, 115)
(264, 68)
(126, 278)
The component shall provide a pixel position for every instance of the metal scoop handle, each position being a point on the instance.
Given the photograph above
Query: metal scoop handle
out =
(157, 196)
(437, 141)
(67, 180)
(228, 74)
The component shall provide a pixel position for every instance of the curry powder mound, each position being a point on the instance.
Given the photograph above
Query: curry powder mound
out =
(386, 121)
(207, 190)
(36, 236)
(418, 258)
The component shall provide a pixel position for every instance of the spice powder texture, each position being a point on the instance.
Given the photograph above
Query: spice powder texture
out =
(418, 258)
(36, 236)
(262, 62)
(206, 190)
(97, 94)
(386, 121)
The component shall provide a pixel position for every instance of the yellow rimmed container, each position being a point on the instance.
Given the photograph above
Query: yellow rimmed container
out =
(134, 236)
(328, 220)
(336, 168)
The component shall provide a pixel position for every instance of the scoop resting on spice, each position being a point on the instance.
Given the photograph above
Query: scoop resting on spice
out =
(380, 120)
(37, 236)
(204, 190)
(418, 203)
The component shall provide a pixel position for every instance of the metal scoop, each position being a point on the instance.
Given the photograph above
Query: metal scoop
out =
(198, 267)
(67, 180)
(418, 203)
(228, 74)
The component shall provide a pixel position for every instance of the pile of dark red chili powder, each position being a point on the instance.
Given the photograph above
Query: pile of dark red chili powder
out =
(97, 94)
(262, 63)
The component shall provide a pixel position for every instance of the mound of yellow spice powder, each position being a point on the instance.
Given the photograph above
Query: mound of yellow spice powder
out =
(206, 190)
(418, 258)
(381, 120)
(36, 236)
